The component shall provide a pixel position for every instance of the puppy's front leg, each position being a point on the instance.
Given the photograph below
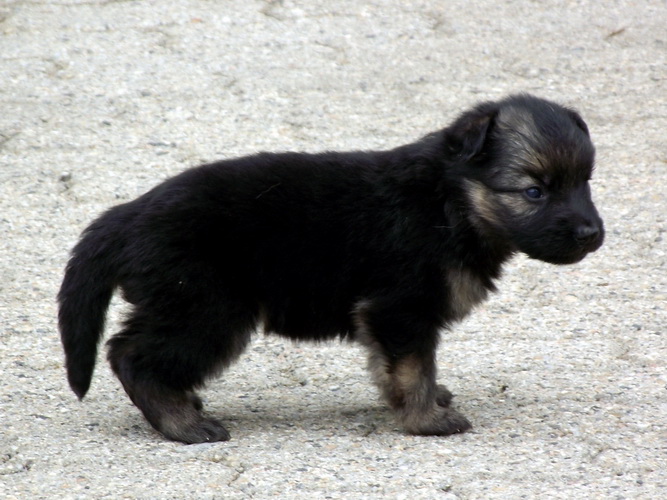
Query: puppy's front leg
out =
(411, 391)
(406, 377)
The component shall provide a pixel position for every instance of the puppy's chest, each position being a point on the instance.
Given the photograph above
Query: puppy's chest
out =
(466, 290)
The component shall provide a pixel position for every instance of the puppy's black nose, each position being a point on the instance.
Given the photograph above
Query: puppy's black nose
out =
(586, 233)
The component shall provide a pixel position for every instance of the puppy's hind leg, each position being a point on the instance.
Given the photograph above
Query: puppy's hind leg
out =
(160, 363)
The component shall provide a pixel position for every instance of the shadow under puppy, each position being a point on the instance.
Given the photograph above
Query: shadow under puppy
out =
(382, 247)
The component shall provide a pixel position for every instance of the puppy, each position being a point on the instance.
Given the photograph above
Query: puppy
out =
(385, 248)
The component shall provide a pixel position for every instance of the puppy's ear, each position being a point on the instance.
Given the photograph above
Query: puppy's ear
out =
(466, 137)
(579, 121)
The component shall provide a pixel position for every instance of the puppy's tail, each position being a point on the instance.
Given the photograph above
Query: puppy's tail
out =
(90, 279)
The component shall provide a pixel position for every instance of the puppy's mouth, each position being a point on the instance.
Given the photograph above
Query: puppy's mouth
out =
(564, 259)
(578, 247)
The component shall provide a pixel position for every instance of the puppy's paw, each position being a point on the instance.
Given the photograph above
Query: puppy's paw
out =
(443, 396)
(440, 422)
(203, 430)
(211, 430)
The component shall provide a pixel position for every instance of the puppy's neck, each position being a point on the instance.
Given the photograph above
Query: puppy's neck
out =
(482, 255)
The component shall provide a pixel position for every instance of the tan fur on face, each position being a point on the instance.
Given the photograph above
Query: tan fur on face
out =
(487, 204)
(519, 129)
(526, 163)
(481, 199)
(517, 204)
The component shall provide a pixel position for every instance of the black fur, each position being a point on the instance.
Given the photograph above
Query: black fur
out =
(385, 248)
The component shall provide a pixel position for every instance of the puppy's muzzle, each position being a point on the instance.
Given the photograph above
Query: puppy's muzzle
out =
(587, 234)
(589, 237)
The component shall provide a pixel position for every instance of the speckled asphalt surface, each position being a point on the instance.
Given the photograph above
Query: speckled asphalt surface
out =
(562, 373)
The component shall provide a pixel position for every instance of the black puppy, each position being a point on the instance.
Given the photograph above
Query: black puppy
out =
(386, 248)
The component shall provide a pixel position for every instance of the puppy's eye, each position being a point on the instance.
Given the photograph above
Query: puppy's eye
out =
(534, 193)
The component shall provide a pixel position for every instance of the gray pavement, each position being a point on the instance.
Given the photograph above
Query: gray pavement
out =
(562, 373)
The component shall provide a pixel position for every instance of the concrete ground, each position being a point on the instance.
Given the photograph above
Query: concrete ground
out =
(562, 373)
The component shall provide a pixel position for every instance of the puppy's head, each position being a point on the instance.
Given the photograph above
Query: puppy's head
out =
(526, 165)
